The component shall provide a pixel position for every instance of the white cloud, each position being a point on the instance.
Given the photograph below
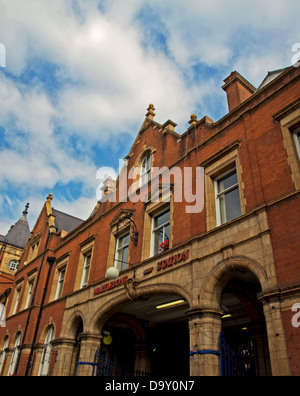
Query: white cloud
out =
(109, 64)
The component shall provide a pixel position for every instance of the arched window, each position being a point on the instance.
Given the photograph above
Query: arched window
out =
(145, 169)
(14, 356)
(2, 316)
(3, 354)
(46, 353)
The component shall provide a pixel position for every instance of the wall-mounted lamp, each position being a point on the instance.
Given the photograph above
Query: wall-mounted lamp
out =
(113, 273)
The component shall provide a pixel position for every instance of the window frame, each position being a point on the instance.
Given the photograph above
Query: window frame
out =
(46, 352)
(118, 264)
(14, 355)
(15, 266)
(156, 229)
(29, 293)
(87, 248)
(289, 119)
(216, 166)
(60, 281)
(220, 194)
(18, 298)
(3, 354)
(86, 269)
(145, 171)
(296, 135)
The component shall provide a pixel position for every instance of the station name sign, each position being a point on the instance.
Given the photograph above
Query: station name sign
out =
(161, 265)
(110, 285)
(176, 259)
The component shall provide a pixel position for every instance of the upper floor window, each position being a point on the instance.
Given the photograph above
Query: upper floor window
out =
(17, 300)
(13, 265)
(160, 232)
(29, 293)
(84, 264)
(228, 205)
(122, 250)
(145, 169)
(297, 141)
(60, 282)
(86, 269)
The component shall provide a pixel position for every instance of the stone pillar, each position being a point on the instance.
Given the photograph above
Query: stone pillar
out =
(260, 340)
(89, 345)
(276, 339)
(64, 350)
(141, 357)
(205, 327)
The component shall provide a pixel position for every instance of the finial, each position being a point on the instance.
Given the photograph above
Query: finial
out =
(50, 197)
(193, 120)
(151, 113)
(26, 209)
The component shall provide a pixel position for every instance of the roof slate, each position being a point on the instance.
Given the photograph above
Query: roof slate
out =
(65, 222)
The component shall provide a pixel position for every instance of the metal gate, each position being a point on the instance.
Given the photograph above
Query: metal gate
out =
(103, 366)
(239, 362)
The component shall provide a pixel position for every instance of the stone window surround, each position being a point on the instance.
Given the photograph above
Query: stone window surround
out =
(226, 159)
(288, 118)
(87, 248)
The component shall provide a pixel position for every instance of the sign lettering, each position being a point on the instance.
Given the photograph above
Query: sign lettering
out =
(110, 285)
(176, 259)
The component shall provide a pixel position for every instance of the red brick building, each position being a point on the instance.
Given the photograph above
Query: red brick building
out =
(205, 254)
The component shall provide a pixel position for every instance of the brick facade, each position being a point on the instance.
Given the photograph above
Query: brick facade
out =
(259, 247)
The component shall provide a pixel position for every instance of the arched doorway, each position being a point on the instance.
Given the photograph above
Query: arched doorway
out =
(245, 344)
(149, 336)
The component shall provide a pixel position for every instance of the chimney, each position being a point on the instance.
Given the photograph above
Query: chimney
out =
(238, 89)
(109, 186)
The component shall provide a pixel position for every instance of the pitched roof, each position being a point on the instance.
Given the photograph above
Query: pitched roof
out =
(271, 76)
(19, 233)
(65, 222)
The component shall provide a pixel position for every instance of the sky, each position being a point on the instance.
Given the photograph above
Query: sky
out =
(79, 76)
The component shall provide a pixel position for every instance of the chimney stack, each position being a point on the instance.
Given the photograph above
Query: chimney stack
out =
(238, 89)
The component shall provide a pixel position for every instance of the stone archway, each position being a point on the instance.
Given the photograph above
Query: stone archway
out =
(146, 327)
(72, 323)
(114, 305)
(217, 278)
(206, 323)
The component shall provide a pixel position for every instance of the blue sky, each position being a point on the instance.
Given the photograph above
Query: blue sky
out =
(80, 75)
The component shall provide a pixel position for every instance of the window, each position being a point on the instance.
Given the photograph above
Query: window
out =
(228, 206)
(13, 265)
(160, 232)
(60, 283)
(84, 265)
(86, 270)
(145, 170)
(122, 250)
(14, 356)
(3, 355)
(2, 315)
(46, 354)
(297, 141)
(289, 119)
(17, 300)
(30, 289)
